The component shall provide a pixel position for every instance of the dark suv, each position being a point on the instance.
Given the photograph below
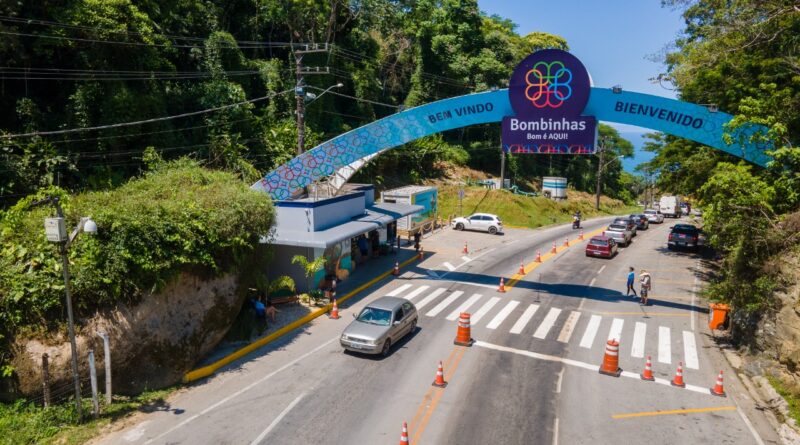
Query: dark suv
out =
(642, 223)
(684, 235)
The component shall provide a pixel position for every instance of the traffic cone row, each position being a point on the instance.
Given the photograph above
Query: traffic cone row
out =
(502, 287)
(439, 381)
(538, 256)
(404, 434)
(521, 268)
(580, 237)
(334, 311)
(466, 250)
(566, 241)
(553, 250)
(648, 370)
(396, 270)
(678, 380)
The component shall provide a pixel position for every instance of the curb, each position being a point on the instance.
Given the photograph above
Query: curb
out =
(208, 370)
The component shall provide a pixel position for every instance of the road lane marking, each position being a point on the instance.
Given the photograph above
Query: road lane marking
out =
(446, 302)
(432, 397)
(547, 323)
(591, 283)
(749, 425)
(664, 350)
(433, 295)
(483, 310)
(466, 259)
(674, 411)
(690, 350)
(615, 333)
(470, 259)
(601, 269)
(243, 390)
(449, 266)
(639, 332)
(277, 420)
(694, 290)
(467, 283)
(587, 366)
(560, 379)
(569, 327)
(555, 432)
(398, 291)
(591, 331)
(501, 316)
(464, 306)
(416, 292)
(524, 319)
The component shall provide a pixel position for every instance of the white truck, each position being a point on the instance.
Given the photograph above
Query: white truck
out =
(670, 206)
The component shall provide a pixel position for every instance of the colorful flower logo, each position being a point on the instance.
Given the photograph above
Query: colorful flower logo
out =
(548, 84)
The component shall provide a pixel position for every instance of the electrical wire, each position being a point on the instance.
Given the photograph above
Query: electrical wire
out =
(356, 98)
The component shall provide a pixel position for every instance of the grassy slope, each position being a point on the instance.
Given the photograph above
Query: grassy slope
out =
(523, 211)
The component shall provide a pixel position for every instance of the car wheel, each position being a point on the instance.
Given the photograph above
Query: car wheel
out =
(459, 226)
(492, 230)
(413, 327)
(386, 347)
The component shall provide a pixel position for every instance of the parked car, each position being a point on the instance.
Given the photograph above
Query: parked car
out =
(685, 235)
(628, 222)
(479, 221)
(653, 216)
(602, 246)
(642, 223)
(379, 325)
(670, 206)
(620, 233)
(686, 208)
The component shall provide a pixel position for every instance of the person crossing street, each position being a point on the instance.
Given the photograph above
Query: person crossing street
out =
(631, 280)
(647, 285)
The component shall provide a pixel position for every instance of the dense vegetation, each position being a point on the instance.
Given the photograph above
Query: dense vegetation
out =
(743, 56)
(178, 217)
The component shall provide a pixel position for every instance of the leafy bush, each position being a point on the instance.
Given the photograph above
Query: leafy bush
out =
(179, 217)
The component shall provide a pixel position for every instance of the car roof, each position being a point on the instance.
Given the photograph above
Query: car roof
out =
(601, 237)
(387, 303)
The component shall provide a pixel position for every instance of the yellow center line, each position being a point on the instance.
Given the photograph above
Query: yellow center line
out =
(429, 403)
(429, 394)
(674, 411)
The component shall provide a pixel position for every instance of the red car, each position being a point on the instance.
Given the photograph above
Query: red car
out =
(601, 246)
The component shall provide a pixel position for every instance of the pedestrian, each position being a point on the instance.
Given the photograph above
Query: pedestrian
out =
(270, 311)
(417, 237)
(647, 285)
(631, 280)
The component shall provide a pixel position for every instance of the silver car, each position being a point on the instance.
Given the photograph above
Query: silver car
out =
(379, 325)
(620, 232)
(653, 216)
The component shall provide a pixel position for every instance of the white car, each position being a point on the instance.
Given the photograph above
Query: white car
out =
(485, 222)
(653, 216)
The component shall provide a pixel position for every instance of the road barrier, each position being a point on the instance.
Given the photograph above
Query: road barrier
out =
(404, 434)
(718, 389)
(502, 287)
(678, 380)
(334, 311)
(439, 381)
(464, 333)
(648, 370)
(610, 364)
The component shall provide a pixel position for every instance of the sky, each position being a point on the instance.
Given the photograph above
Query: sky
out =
(615, 39)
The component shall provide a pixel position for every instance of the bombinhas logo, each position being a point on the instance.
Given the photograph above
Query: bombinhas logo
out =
(549, 83)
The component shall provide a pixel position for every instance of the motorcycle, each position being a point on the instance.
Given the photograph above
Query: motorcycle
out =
(576, 223)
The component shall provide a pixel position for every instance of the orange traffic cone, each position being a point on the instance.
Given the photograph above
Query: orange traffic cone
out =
(610, 364)
(502, 287)
(440, 377)
(718, 390)
(553, 250)
(396, 270)
(463, 335)
(648, 370)
(466, 250)
(521, 269)
(334, 311)
(678, 380)
(421, 254)
(538, 256)
(566, 242)
(404, 434)
(580, 237)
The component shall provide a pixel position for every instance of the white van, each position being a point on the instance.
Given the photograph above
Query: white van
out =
(670, 206)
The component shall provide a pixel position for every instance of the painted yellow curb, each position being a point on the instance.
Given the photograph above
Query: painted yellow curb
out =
(207, 370)
(530, 267)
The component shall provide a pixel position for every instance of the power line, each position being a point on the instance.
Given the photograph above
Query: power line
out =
(146, 121)
(357, 98)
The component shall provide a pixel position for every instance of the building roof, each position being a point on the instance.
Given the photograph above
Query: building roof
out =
(407, 190)
(374, 217)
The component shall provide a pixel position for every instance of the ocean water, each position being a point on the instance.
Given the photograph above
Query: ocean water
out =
(640, 156)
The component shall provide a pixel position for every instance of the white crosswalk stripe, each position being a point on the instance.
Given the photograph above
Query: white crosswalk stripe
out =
(464, 307)
(524, 319)
(637, 350)
(569, 327)
(433, 295)
(416, 292)
(690, 350)
(547, 323)
(446, 302)
(502, 314)
(664, 350)
(484, 310)
(398, 291)
(615, 333)
(590, 332)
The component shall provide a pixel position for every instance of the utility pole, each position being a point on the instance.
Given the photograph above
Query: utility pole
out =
(502, 167)
(599, 172)
(299, 90)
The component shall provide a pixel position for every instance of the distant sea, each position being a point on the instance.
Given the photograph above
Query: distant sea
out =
(640, 156)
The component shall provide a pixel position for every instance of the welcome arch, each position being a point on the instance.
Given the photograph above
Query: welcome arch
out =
(337, 159)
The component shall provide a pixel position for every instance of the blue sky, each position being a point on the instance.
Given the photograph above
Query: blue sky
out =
(614, 39)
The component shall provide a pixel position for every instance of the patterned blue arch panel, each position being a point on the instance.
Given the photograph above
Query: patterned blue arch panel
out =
(670, 116)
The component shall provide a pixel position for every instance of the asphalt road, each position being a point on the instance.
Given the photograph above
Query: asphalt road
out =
(531, 378)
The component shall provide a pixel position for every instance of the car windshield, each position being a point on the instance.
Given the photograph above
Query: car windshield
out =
(598, 242)
(380, 317)
(617, 227)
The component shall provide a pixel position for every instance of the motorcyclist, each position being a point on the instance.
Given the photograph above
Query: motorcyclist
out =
(576, 220)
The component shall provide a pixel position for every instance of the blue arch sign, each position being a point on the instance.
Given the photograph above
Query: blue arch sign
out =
(682, 119)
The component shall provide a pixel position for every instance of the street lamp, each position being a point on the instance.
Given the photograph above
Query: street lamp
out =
(314, 97)
(56, 231)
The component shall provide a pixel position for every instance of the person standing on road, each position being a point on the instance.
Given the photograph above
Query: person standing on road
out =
(647, 285)
(631, 280)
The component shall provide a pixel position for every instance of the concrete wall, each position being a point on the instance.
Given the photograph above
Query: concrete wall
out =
(314, 216)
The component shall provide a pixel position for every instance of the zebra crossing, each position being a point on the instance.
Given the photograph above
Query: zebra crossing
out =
(520, 318)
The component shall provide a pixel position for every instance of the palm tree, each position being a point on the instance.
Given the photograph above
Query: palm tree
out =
(310, 268)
